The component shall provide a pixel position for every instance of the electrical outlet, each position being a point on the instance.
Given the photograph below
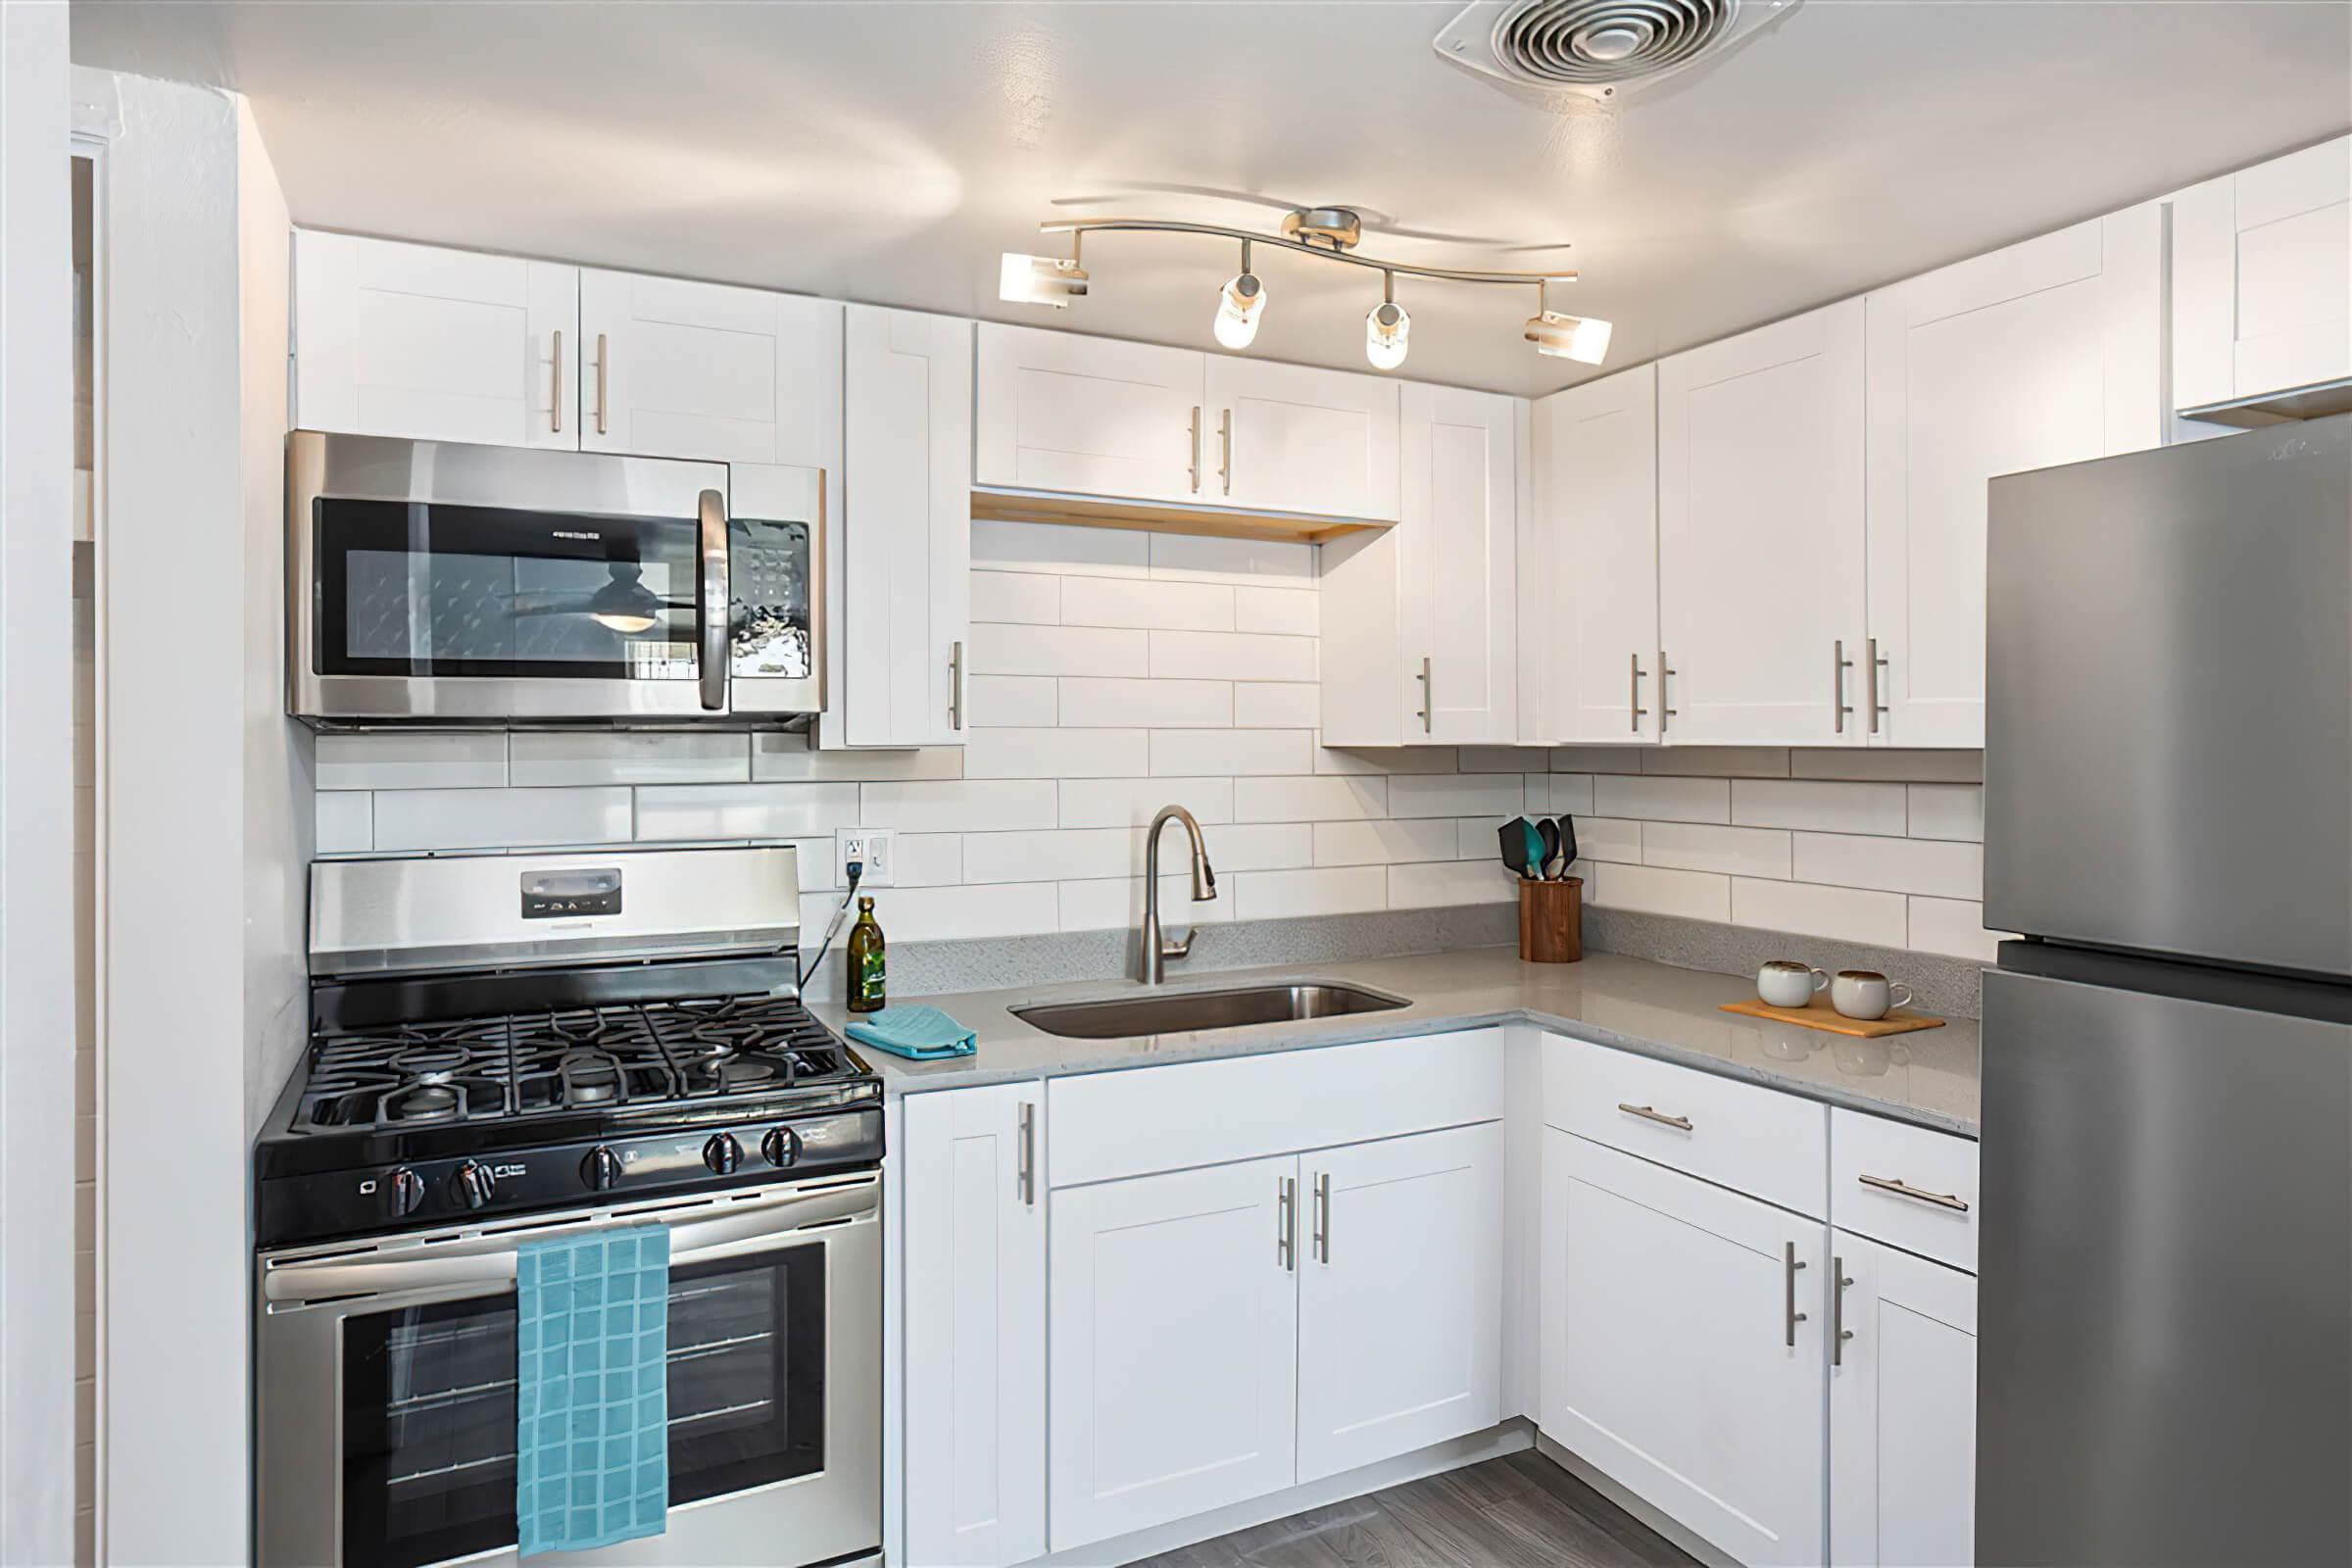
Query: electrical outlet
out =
(876, 846)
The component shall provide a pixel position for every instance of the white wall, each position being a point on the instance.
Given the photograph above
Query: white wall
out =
(36, 955)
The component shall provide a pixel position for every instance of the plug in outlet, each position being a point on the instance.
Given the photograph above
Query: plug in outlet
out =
(876, 846)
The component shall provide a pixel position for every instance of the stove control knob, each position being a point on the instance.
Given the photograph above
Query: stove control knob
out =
(781, 1145)
(476, 1184)
(601, 1170)
(404, 1192)
(722, 1154)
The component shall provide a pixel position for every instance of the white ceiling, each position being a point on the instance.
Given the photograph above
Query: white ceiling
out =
(889, 152)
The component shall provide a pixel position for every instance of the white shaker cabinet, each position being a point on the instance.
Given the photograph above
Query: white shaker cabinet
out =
(1175, 1319)
(905, 605)
(1682, 1346)
(675, 368)
(2262, 280)
(1400, 1295)
(975, 1326)
(429, 344)
(1090, 415)
(1457, 567)
(1760, 535)
(2045, 353)
(1902, 1410)
(1293, 438)
(1597, 535)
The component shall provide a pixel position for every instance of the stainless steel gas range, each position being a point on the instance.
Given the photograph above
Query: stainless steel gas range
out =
(509, 1047)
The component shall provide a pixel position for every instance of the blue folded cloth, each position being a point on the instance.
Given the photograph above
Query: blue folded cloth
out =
(592, 1388)
(921, 1034)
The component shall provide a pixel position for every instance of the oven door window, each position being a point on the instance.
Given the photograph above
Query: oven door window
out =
(416, 589)
(428, 1402)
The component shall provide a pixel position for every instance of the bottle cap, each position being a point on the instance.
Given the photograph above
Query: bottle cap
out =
(866, 904)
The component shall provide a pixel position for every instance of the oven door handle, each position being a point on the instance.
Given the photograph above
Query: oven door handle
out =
(494, 1263)
(712, 607)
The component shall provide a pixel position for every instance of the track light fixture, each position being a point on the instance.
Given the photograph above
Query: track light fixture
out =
(1330, 233)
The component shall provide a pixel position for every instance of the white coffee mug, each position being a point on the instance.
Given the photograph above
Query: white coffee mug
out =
(1786, 983)
(1867, 994)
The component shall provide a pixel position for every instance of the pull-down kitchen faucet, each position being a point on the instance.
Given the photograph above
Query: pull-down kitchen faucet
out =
(1156, 951)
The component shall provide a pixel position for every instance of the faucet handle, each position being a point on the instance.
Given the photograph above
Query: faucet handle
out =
(1182, 947)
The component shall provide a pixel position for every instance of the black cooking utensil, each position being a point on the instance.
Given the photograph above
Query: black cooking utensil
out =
(1567, 831)
(1514, 836)
(1551, 842)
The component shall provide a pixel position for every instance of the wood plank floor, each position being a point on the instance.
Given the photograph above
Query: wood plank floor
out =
(1519, 1511)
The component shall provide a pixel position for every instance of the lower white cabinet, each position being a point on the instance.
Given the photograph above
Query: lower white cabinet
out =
(1400, 1297)
(1902, 1410)
(1175, 1331)
(1682, 1350)
(974, 1251)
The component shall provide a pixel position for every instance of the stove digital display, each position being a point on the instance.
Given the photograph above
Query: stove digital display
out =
(561, 895)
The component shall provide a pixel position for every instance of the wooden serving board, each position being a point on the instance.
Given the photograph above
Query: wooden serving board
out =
(1821, 1016)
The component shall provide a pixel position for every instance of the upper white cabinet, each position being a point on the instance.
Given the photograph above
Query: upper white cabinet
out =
(434, 345)
(1090, 415)
(908, 477)
(1457, 564)
(2045, 353)
(675, 368)
(2262, 280)
(974, 1251)
(1760, 535)
(1902, 1410)
(1595, 541)
(1289, 438)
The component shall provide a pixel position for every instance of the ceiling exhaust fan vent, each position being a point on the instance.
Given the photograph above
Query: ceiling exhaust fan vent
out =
(1598, 48)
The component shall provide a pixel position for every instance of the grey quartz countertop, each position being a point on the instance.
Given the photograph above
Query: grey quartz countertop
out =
(1929, 1076)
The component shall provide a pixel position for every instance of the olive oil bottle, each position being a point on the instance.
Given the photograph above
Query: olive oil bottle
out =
(866, 960)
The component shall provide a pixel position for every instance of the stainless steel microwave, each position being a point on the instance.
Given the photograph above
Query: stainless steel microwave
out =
(431, 582)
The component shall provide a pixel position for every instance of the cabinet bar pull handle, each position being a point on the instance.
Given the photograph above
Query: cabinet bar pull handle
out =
(956, 686)
(1790, 1273)
(1652, 1113)
(1427, 721)
(554, 398)
(1635, 701)
(1838, 1332)
(1225, 448)
(1285, 1228)
(1665, 672)
(1323, 1217)
(602, 362)
(1838, 665)
(1027, 1174)
(1194, 470)
(1895, 1185)
(1878, 662)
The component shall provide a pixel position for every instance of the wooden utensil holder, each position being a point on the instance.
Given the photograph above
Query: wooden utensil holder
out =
(1551, 921)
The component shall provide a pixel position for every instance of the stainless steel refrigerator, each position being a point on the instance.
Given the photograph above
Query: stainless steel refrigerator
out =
(2165, 1327)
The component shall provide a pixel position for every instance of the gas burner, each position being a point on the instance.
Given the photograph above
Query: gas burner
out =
(741, 1072)
(589, 1077)
(432, 1100)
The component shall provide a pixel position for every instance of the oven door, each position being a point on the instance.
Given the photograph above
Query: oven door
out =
(434, 581)
(385, 1416)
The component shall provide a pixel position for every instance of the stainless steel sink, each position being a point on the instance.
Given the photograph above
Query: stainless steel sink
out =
(1181, 1011)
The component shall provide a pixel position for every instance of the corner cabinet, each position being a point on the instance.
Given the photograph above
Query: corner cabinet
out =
(1597, 548)
(2046, 352)
(974, 1293)
(905, 599)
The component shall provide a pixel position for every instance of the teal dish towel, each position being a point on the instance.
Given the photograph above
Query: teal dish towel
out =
(592, 1388)
(920, 1034)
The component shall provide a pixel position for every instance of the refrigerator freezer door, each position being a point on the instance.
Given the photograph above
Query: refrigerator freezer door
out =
(2165, 1318)
(2167, 761)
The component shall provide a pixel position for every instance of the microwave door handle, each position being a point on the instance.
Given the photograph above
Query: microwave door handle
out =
(690, 1242)
(711, 603)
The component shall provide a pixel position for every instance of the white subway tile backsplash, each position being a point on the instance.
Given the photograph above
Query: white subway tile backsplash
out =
(1056, 753)
(1952, 925)
(412, 761)
(560, 756)
(1134, 802)
(977, 910)
(1118, 905)
(958, 805)
(1258, 846)
(1061, 549)
(1012, 700)
(1819, 806)
(1059, 651)
(925, 859)
(1900, 767)
(1596, 759)
(1054, 854)
(1387, 842)
(790, 759)
(1180, 751)
(1656, 890)
(1808, 908)
(1448, 883)
(346, 821)
(1706, 847)
(1571, 793)
(1501, 758)
(1229, 655)
(1203, 559)
(1458, 795)
(1946, 871)
(1291, 611)
(1947, 812)
(1277, 704)
(1153, 603)
(1318, 798)
(1662, 800)
(483, 818)
(1025, 598)
(1152, 703)
(1716, 761)
(819, 869)
(697, 812)
(1336, 889)
(1609, 838)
